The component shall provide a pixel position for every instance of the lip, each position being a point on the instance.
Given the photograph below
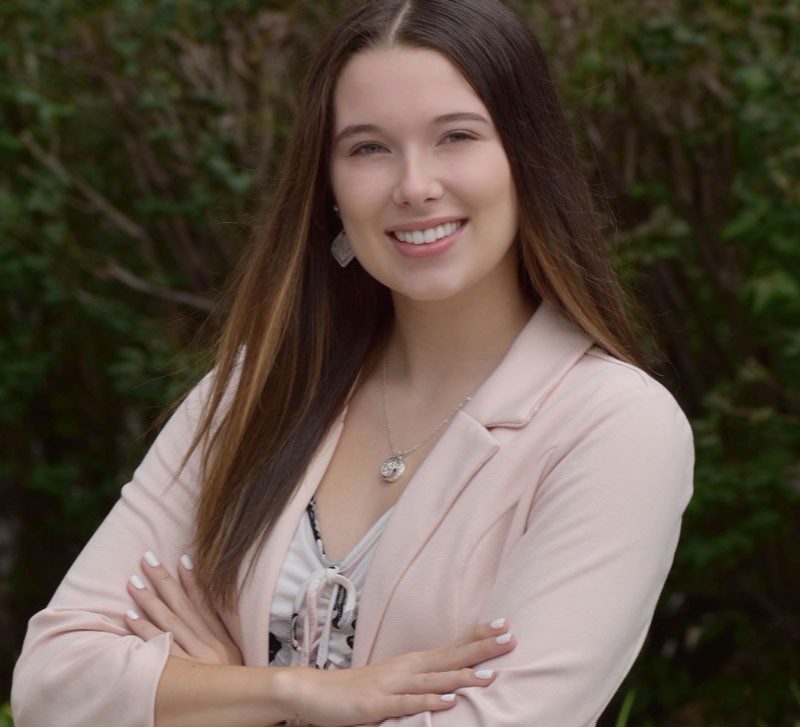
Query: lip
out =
(409, 249)
(424, 224)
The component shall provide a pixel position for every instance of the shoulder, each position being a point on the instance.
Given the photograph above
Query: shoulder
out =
(607, 375)
(598, 375)
(198, 397)
(602, 390)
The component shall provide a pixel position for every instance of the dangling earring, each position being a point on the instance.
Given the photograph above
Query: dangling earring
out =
(340, 247)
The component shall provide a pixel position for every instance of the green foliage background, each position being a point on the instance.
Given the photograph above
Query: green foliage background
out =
(137, 138)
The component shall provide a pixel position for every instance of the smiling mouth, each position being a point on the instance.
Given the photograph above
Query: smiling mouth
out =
(458, 225)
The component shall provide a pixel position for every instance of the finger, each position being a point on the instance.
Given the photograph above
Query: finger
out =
(451, 658)
(448, 681)
(173, 594)
(194, 594)
(482, 631)
(403, 705)
(145, 630)
(159, 614)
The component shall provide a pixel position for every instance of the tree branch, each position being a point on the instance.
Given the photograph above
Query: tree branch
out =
(133, 281)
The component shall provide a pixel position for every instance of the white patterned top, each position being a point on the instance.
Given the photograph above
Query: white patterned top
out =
(315, 606)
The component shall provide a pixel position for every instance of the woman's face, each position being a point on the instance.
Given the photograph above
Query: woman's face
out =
(413, 168)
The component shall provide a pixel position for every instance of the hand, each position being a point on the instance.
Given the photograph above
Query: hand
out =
(405, 685)
(198, 635)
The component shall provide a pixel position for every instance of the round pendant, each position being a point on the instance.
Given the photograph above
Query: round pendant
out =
(392, 468)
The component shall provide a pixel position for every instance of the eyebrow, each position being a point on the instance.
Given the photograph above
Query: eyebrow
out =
(354, 129)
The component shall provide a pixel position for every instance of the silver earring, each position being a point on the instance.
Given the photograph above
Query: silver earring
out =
(341, 250)
(340, 247)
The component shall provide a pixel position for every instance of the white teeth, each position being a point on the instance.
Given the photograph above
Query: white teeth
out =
(420, 237)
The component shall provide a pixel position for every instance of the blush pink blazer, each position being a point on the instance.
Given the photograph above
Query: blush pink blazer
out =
(554, 498)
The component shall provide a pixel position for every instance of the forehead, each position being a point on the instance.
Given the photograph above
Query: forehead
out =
(400, 84)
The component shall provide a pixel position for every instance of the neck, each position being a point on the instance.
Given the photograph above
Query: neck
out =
(444, 349)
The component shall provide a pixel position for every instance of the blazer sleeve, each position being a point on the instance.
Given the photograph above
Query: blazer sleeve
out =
(581, 585)
(79, 663)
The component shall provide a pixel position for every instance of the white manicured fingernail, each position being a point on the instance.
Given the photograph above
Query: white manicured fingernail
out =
(484, 673)
(504, 639)
(131, 614)
(151, 559)
(137, 582)
(448, 697)
(187, 562)
(498, 623)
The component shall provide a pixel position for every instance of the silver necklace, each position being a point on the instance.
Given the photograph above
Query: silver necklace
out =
(392, 469)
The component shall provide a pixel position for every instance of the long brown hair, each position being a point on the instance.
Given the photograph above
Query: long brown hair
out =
(307, 327)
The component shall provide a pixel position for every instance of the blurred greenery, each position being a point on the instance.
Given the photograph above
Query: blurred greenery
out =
(136, 138)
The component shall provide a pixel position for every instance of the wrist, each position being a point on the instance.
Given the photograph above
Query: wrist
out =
(286, 691)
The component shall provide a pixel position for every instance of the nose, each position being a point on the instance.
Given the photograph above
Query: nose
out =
(419, 182)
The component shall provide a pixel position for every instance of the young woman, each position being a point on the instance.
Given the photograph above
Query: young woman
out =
(428, 414)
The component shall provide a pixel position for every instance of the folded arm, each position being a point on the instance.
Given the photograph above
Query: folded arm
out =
(581, 585)
(79, 663)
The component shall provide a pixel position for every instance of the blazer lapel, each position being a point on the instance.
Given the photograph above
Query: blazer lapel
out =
(544, 351)
(460, 452)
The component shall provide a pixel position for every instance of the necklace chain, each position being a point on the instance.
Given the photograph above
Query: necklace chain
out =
(395, 452)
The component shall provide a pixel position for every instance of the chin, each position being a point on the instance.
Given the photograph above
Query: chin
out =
(445, 290)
